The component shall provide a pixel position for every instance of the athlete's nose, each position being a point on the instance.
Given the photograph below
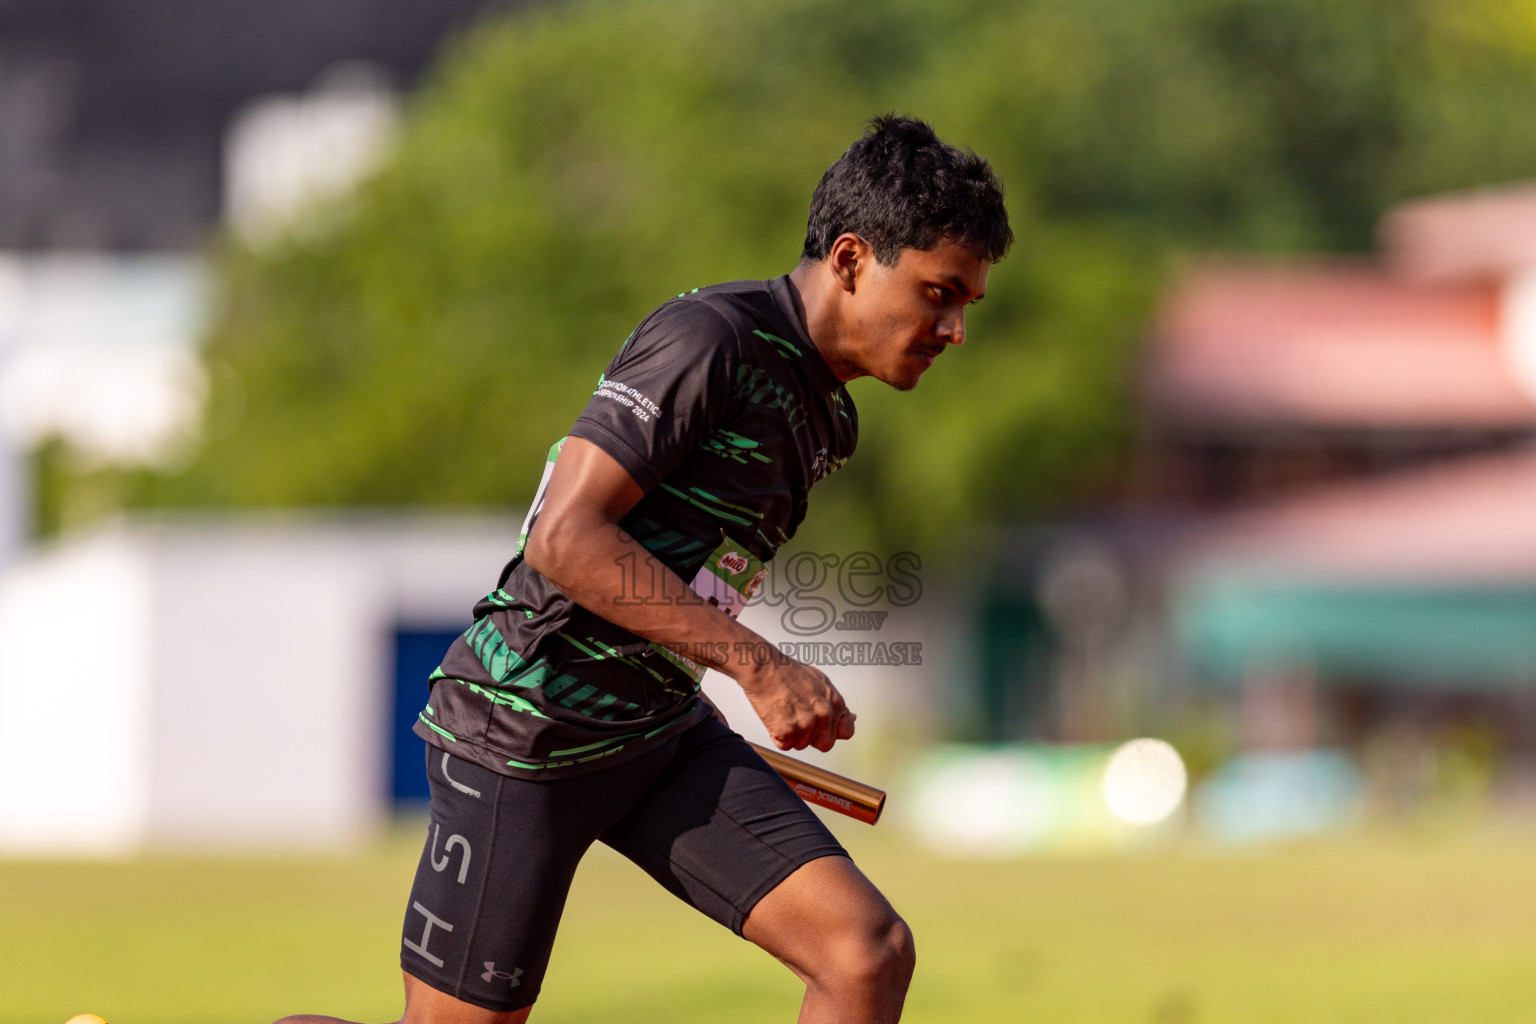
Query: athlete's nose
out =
(952, 329)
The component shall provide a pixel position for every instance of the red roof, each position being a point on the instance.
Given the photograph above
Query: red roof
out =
(1331, 344)
(1471, 522)
(1485, 235)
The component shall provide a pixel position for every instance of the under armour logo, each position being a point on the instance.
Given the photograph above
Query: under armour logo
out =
(491, 972)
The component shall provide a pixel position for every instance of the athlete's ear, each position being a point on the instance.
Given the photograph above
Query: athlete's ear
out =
(848, 253)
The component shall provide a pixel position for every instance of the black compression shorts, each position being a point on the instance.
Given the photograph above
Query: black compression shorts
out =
(702, 814)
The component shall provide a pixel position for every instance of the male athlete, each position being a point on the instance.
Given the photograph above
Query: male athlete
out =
(570, 711)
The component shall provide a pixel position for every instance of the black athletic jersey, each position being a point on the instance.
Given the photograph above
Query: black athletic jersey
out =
(724, 412)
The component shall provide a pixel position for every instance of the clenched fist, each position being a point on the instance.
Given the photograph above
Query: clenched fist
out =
(798, 704)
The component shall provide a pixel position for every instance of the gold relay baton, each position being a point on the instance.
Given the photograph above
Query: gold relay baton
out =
(825, 789)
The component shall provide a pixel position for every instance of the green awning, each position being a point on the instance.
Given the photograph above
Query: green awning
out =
(1445, 637)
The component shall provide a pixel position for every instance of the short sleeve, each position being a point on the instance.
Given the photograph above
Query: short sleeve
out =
(668, 387)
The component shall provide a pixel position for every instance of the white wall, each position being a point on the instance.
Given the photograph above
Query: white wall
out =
(218, 682)
(75, 677)
(267, 717)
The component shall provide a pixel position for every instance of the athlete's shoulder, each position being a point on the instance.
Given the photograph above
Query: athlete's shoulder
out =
(734, 294)
(684, 328)
(743, 305)
(762, 313)
(734, 317)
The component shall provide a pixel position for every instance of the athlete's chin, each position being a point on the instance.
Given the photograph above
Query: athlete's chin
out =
(904, 377)
(904, 381)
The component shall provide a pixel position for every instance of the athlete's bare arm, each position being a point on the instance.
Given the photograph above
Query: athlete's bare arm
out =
(576, 544)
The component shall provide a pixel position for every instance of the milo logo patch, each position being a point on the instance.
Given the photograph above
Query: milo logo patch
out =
(733, 562)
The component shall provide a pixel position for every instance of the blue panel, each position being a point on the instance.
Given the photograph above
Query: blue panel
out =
(417, 653)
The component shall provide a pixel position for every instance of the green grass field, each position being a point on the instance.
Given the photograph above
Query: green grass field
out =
(1397, 928)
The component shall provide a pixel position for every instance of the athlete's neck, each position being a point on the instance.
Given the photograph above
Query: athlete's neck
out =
(818, 298)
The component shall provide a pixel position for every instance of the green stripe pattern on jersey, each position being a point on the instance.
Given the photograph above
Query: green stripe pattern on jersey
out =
(510, 671)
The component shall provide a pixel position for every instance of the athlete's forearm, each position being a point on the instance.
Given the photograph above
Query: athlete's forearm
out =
(603, 569)
(576, 543)
(587, 556)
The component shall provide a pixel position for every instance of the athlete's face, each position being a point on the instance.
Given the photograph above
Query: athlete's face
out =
(904, 316)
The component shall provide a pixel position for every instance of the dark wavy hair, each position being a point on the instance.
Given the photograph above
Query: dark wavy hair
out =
(901, 187)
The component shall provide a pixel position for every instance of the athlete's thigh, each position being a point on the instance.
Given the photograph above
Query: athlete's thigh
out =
(498, 861)
(826, 912)
(719, 828)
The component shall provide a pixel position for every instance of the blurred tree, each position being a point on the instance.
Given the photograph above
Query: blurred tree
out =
(573, 166)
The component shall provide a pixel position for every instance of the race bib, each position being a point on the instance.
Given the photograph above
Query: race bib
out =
(728, 579)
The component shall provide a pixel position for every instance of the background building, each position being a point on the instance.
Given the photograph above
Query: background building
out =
(131, 132)
(116, 114)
